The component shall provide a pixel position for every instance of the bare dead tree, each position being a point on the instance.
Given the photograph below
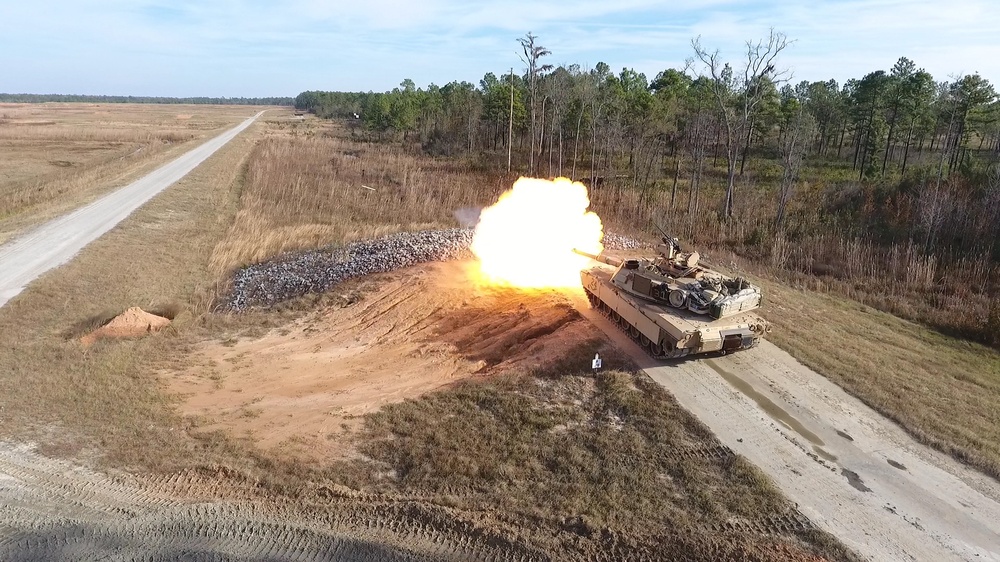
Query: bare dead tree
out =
(737, 96)
(793, 146)
(933, 206)
(532, 53)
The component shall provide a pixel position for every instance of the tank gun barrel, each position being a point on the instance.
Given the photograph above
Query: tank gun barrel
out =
(600, 257)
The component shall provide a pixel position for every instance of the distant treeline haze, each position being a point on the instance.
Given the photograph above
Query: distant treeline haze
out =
(888, 184)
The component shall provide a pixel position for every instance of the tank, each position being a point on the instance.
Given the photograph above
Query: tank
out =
(672, 305)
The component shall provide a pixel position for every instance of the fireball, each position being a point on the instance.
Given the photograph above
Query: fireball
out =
(526, 239)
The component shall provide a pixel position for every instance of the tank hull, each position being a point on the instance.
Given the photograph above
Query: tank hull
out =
(668, 332)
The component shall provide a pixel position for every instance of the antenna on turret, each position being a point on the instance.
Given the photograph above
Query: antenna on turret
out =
(663, 233)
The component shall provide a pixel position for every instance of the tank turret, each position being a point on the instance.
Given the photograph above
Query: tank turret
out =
(676, 303)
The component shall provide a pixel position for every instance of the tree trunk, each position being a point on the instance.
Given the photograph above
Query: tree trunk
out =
(730, 186)
(593, 153)
(906, 150)
(576, 140)
(691, 188)
(677, 174)
(857, 147)
(957, 150)
(541, 136)
(560, 151)
(746, 148)
(888, 140)
(715, 150)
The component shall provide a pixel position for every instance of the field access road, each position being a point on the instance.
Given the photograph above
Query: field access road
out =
(854, 473)
(54, 243)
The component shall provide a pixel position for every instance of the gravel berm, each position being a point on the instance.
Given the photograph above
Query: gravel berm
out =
(293, 275)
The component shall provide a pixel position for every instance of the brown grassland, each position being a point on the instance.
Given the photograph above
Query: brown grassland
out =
(938, 388)
(59, 155)
(590, 443)
(286, 185)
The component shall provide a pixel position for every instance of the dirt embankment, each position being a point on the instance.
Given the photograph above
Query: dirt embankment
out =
(298, 388)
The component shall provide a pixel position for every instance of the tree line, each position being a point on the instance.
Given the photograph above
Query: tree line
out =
(80, 98)
(925, 150)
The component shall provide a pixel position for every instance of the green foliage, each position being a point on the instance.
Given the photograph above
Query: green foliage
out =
(892, 156)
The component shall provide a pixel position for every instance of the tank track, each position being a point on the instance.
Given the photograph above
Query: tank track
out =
(654, 349)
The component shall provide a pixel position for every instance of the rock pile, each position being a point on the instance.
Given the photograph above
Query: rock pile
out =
(294, 275)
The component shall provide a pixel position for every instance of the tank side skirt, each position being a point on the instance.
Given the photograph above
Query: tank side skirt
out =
(698, 341)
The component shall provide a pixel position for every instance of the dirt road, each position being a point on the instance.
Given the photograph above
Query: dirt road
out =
(54, 510)
(854, 473)
(56, 242)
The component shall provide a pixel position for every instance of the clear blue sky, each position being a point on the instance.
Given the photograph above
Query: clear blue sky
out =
(264, 48)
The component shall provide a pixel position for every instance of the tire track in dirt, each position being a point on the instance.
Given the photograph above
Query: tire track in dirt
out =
(52, 510)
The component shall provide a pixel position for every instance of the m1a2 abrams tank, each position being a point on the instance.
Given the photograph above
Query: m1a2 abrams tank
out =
(673, 306)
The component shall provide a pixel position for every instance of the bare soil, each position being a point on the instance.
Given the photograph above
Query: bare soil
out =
(300, 387)
(134, 322)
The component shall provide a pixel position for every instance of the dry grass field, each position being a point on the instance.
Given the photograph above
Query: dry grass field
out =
(306, 189)
(286, 185)
(105, 398)
(943, 391)
(107, 404)
(58, 155)
(302, 186)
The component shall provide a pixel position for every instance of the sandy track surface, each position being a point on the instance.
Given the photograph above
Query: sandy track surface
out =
(851, 471)
(56, 242)
(52, 510)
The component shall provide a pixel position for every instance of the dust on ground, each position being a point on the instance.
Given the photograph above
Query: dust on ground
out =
(301, 388)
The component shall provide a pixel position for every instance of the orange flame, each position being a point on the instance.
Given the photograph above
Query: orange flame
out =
(526, 239)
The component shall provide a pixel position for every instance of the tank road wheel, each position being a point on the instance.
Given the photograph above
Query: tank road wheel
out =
(644, 340)
(655, 349)
(677, 298)
(592, 299)
(623, 323)
(669, 350)
(677, 353)
(634, 332)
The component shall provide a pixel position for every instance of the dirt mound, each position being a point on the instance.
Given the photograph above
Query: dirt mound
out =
(134, 322)
(298, 388)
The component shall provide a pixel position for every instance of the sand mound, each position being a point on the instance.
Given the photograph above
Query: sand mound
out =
(134, 322)
(183, 116)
